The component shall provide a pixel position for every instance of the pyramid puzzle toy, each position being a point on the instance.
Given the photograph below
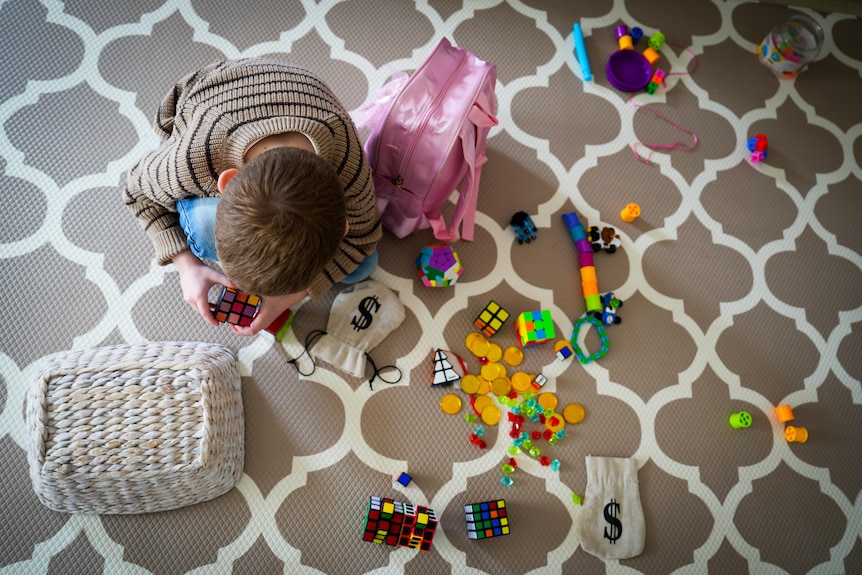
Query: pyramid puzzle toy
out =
(396, 523)
(487, 519)
(534, 327)
(444, 373)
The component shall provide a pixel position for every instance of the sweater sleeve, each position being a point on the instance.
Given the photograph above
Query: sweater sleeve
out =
(161, 177)
(160, 222)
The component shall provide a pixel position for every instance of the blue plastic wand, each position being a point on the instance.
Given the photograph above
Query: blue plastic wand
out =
(581, 51)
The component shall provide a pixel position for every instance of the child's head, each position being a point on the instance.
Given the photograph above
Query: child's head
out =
(279, 221)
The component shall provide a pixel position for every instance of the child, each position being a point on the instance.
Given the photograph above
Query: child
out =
(260, 167)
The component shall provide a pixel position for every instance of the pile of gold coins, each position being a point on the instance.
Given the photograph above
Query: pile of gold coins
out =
(520, 393)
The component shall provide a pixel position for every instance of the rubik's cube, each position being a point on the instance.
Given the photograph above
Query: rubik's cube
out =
(383, 520)
(491, 319)
(396, 523)
(418, 529)
(534, 327)
(487, 519)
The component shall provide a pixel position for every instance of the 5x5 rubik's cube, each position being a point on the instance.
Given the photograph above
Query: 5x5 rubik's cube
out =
(396, 523)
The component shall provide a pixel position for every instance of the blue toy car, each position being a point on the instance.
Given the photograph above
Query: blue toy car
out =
(610, 305)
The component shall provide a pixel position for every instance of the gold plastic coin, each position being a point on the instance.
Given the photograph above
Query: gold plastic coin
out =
(484, 386)
(450, 403)
(480, 347)
(482, 402)
(491, 415)
(495, 353)
(470, 383)
(513, 356)
(501, 386)
(492, 371)
(547, 400)
(574, 413)
(472, 338)
(521, 381)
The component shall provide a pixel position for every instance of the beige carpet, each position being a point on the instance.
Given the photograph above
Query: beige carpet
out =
(742, 285)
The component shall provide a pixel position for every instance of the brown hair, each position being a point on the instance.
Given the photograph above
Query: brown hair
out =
(280, 221)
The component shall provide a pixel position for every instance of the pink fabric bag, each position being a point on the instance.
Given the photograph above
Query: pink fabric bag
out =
(432, 140)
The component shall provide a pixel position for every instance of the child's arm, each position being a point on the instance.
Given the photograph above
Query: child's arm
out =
(196, 279)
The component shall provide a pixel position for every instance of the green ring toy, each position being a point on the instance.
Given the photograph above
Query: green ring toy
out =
(603, 336)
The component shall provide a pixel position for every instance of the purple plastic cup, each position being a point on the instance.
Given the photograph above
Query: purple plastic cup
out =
(628, 70)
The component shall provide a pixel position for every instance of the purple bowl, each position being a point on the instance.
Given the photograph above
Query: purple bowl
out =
(628, 70)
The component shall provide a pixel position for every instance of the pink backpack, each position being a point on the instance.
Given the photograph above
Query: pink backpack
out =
(432, 140)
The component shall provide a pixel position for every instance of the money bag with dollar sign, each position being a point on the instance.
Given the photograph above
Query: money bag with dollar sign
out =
(361, 317)
(612, 522)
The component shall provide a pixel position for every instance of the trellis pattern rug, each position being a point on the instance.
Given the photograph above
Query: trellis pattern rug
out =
(742, 285)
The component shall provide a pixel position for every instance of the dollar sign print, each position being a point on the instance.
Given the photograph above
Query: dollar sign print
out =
(612, 509)
(366, 307)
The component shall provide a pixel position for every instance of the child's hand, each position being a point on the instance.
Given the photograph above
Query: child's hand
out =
(270, 308)
(196, 279)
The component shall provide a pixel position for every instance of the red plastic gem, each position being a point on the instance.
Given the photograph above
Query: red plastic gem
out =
(544, 460)
(536, 435)
(512, 462)
(514, 434)
(555, 421)
(548, 434)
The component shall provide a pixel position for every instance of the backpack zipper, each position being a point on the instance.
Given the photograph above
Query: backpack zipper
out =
(408, 156)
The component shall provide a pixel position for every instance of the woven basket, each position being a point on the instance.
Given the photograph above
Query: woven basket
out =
(135, 428)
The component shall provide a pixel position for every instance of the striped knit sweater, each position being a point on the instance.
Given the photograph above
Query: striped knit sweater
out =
(209, 120)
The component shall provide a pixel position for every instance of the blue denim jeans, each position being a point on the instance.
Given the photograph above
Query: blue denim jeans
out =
(197, 218)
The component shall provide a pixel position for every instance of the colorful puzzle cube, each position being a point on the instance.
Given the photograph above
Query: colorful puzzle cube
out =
(487, 519)
(491, 319)
(404, 479)
(438, 266)
(420, 524)
(539, 382)
(383, 520)
(758, 146)
(396, 523)
(534, 327)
